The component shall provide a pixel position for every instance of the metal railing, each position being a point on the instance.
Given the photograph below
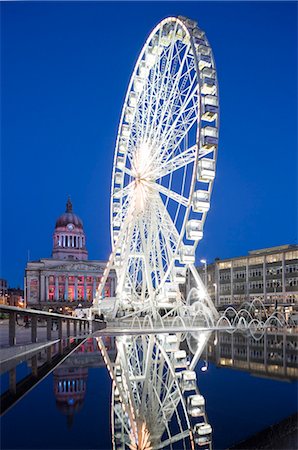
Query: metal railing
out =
(80, 325)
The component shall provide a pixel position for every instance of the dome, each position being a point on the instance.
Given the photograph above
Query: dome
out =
(69, 217)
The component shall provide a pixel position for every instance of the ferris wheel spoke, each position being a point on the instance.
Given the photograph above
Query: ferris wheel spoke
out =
(127, 171)
(179, 128)
(161, 82)
(167, 221)
(178, 198)
(151, 94)
(124, 191)
(167, 234)
(173, 96)
(179, 102)
(170, 165)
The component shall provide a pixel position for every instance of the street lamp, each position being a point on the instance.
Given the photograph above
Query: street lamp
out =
(204, 261)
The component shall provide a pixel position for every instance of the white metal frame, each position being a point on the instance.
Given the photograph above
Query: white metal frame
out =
(164, 166)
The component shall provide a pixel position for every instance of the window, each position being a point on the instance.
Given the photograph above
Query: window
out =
(225, 276)
(225, 288)
(291, 255)
(292, 282)
(254, 285)
(273, 283)
(239, 287)
(225, 300)
(274, 258)
(225, 265)
(291, 268)
(256, 260)
(239, 275)
(239, 263)
(256, 272)
(274, 270)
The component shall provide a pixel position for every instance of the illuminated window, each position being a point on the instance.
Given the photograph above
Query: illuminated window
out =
(225, 265)
(274, 258)
(256, 260)
(239, 263)
(291, 255)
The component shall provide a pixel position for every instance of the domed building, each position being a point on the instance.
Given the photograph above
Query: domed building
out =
(68, 279)
(69, 240)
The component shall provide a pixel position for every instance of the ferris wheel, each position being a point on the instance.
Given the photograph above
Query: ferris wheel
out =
(164, 164)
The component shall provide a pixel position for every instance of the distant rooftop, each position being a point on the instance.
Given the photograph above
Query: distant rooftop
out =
(278, 248)
(262, 251)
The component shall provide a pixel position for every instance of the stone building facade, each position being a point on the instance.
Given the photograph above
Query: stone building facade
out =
(270, 275)
(68, 279)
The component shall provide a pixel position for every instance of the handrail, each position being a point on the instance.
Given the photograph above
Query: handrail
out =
(25, 311)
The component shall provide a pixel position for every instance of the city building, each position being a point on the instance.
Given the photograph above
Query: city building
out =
(16, 297)
(68, 279)
(270, 275)
(3, 292)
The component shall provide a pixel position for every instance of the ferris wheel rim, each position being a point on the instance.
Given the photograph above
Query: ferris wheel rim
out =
(198, 126)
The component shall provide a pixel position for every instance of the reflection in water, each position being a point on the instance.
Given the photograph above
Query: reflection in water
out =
(70, 390)
(156, 402)
(273, 355)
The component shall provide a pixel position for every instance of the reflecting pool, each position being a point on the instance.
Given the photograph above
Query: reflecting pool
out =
(177, 391)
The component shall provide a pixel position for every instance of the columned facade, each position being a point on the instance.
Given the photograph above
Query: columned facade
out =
(52, 284)
(68, 279)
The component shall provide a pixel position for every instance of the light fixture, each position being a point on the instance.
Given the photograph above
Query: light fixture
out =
(205, 367)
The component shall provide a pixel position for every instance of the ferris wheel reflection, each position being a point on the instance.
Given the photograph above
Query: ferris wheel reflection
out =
(156, 402)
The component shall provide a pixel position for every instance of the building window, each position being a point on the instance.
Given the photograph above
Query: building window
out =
(291, 255)
(273, 283)
(292, 268)
(256, 285)
(225, 288)
(239, 287)
(256, 260)
(292, 282)
(239, 263)
(277, 270)
(239, 275)
(274, 258)
(225, 265)
(225, 276)
(51, 293)
(256, 272)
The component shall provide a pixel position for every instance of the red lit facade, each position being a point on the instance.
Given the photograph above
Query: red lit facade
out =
(68, 279)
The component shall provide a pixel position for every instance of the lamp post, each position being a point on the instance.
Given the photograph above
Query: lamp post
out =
(204, 261)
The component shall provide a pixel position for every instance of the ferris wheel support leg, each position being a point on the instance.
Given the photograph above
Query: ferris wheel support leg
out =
(203, 288)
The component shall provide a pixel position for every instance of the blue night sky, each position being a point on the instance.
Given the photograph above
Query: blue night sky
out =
(65, 70)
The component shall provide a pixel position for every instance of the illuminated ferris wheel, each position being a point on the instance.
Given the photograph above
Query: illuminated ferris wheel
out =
(164, 165)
